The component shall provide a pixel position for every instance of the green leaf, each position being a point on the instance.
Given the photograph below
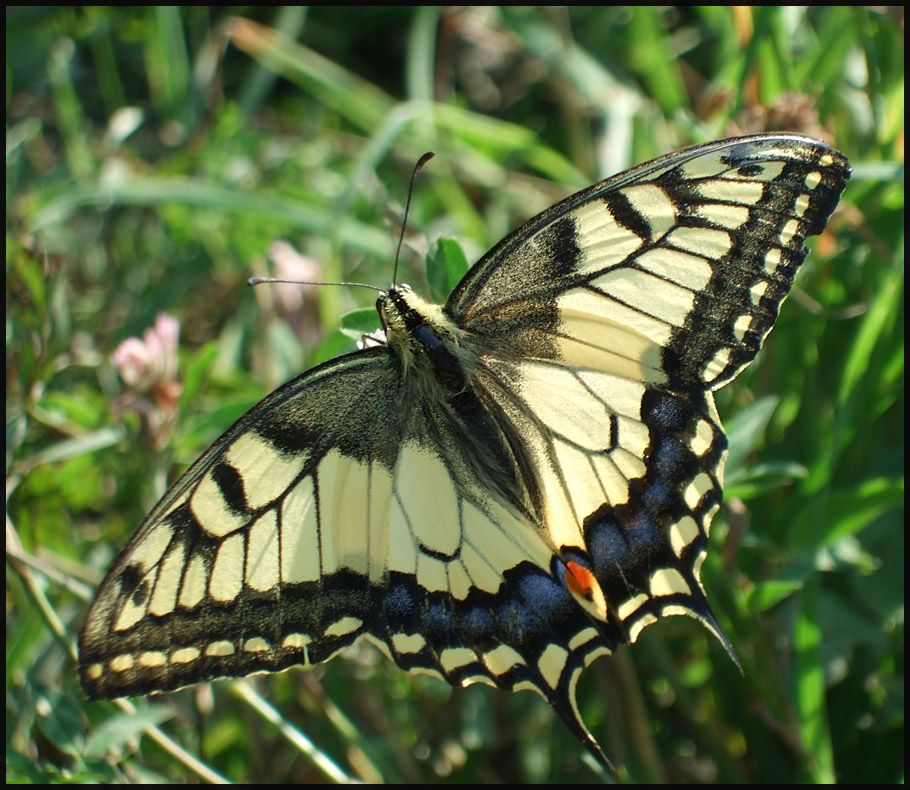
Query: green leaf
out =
(446, 265)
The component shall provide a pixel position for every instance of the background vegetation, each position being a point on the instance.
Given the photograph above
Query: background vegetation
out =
(154, 158)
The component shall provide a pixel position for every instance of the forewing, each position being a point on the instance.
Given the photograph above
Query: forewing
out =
(671, 273)
(260, 556)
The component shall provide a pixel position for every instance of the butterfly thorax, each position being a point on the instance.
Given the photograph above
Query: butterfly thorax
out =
(425, 340)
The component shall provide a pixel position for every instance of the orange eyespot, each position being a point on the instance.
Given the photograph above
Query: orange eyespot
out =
(580, 581)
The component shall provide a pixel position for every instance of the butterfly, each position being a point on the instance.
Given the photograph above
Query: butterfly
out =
(516, 482)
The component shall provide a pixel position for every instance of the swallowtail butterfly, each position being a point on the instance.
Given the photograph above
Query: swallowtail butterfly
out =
(516, 482)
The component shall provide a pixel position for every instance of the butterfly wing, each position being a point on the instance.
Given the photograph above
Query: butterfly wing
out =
(618, 310)
(343, 504)
(671, 273)
(232, 572)
(604, 325)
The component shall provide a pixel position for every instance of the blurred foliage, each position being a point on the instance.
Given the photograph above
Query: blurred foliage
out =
(155, 158)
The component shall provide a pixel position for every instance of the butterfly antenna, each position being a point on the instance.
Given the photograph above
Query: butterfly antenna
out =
(417, 168)
(259, 280)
